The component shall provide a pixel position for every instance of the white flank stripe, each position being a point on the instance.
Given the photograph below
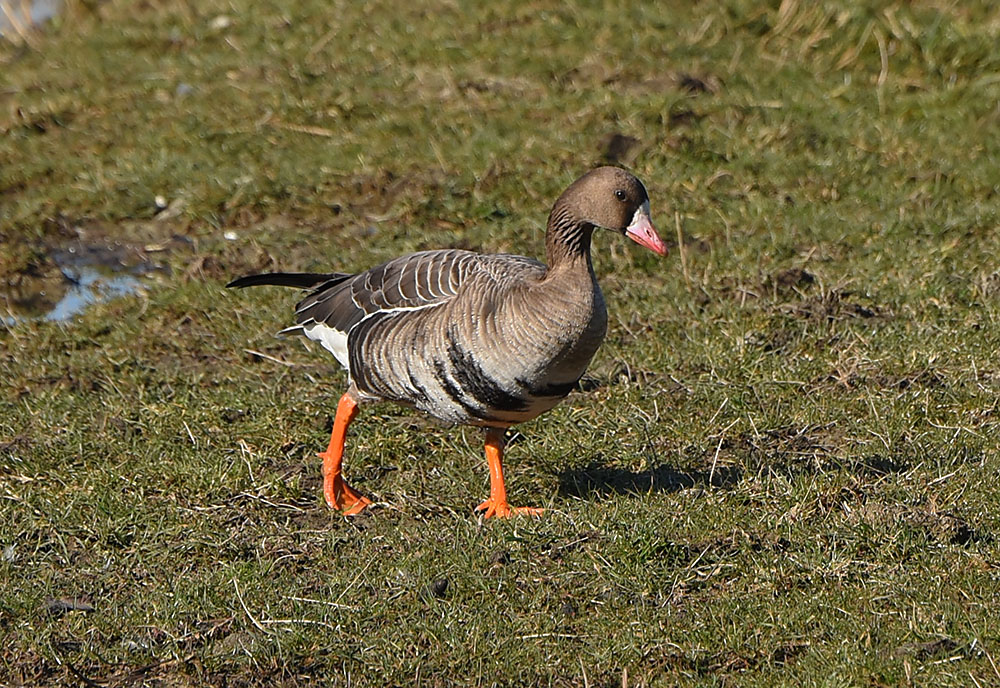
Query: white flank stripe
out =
(335, 341)
(332, 340)
(401, 309)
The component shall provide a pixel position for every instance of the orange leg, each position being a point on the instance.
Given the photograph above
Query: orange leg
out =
(497, 504)
(339, 495)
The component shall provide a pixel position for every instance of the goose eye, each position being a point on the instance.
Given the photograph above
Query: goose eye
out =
(619, 194)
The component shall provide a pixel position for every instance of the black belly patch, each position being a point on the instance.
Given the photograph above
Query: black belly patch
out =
(556, 390)
(476, 383)
(454, 393)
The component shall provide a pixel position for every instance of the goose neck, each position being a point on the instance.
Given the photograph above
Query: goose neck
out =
(567, 239)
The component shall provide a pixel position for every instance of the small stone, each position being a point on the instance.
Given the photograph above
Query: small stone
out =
(231, 415)
(439, 587)
(437, 590)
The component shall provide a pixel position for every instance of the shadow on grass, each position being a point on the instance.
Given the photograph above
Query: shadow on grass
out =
(599, 479)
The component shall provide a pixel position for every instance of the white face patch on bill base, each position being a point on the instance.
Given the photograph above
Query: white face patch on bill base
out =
(641, 231)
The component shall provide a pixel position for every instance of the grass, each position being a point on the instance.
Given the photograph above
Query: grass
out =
(782, 468)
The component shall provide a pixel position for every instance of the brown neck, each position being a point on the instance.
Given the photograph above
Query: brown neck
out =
(567, 238)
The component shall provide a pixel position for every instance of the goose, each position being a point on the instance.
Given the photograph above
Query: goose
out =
(488, 340)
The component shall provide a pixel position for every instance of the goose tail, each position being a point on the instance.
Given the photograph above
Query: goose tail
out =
(302, 280)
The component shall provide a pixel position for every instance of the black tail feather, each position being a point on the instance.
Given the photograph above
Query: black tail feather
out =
(302, 280)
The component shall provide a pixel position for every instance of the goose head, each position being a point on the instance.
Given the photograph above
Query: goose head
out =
(614, 199)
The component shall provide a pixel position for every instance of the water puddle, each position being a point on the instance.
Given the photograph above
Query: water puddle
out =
(89, 286)
(18, 16)
(75, 276)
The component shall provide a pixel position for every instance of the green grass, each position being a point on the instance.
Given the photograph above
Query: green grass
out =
(783, 471)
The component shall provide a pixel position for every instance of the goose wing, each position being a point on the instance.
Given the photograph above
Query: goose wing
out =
(411, 282)
(404, 285)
